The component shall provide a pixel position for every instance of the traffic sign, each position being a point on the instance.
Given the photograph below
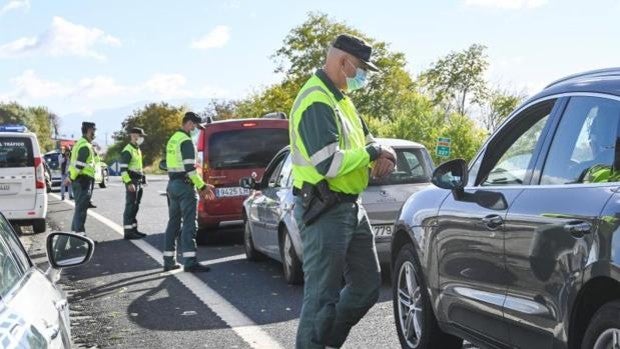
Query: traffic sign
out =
(443, 147)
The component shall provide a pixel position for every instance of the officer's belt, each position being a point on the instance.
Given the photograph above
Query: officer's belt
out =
(342, 197)
(179, 176)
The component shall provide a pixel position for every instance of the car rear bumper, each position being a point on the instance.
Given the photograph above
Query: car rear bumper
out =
(205, 220)
(38, 212)
(383, 250)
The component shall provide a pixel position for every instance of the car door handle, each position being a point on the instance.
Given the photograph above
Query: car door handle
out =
(61, 305)
(578, 229)
(492, 221)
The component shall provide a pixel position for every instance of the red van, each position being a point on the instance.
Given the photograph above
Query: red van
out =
(231, 150)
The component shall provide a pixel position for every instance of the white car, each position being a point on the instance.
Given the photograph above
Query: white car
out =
(23, 197)
(33, 310)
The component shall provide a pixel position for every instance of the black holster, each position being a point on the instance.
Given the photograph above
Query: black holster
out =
(316, 200)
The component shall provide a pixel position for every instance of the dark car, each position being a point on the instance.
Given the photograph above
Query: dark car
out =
(520, 248)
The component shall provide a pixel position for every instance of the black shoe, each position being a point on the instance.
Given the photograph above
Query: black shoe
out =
(171, 267)
(196, 268)
(140, 233)
(90, 205)
(133, 236)
(62, 198)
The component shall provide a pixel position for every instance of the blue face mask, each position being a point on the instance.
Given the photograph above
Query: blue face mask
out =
(358, 81)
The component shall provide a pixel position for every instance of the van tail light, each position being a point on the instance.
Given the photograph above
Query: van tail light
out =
(248, 124)
(39, 173)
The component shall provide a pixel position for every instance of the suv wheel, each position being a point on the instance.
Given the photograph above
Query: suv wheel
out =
(250, 252)
(293, 273)
(415, 322)
(104, 179)
(604, 329)
(39, 226)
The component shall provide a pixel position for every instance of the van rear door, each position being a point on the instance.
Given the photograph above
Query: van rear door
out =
(17, 173)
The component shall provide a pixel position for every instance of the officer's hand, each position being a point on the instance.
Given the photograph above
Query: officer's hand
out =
(388, 153)
(131, 188)
(207, 192)
(383, 167)
(67, 181)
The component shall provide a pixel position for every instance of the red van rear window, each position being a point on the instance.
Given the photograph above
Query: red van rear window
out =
(247, 148)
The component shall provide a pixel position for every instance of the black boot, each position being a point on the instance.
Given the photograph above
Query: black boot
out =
(133, 236)
(197, 268)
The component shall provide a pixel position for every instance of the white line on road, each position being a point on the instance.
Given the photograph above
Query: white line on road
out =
(249, 331)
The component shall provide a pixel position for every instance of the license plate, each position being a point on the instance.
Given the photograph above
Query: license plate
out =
(231, 192)
(382, 230)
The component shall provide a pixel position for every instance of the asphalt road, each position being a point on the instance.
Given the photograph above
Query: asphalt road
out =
(122, 299)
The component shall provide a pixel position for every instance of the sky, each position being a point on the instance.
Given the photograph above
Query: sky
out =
(84, 56)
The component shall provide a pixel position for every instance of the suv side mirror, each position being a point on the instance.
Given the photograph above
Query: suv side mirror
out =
(163, 166)
(452, 175)
(248, 183)
(65, 250)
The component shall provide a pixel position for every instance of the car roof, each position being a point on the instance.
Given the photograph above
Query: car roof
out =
(606, 81)
(19, 134)
(398, 143)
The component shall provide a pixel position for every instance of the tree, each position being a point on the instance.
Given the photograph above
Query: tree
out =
(39, 120)
(457, 80)
(304, 50)
(220, 110)
(159, 121)
(498, 106)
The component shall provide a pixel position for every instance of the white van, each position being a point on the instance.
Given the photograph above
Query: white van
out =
(23, 197)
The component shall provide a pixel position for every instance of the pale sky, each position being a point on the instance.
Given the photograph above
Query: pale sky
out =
(83, 56)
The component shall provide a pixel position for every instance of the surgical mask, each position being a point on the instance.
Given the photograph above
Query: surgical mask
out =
(358, 81)
(140, 140)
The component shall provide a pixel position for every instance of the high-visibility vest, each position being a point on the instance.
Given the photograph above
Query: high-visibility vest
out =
(135, 163)
(351, 133)
(78, 168)
(175, 161)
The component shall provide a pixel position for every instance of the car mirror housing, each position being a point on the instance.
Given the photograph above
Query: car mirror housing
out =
(452, 175)
(65, 250)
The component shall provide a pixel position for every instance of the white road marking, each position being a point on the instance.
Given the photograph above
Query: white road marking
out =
(249, 331)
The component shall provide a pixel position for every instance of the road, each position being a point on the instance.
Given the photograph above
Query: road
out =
(122, 299)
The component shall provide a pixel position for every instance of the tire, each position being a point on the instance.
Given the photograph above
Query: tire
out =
(604, 328)
(293, 272)
(104, 179)
(39, 226)
(416, 323)
(251, 253)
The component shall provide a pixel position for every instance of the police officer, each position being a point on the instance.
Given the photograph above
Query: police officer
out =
(332, 151)
(82, 175)
(132, 175)
(182, 196)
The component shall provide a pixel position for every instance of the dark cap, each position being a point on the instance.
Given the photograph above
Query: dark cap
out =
(88, 125)
(356, 47)
(137, 130)
(193, 117)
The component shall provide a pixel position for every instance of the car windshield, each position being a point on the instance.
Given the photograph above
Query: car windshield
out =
(16, 152)
(240, 149)
(412, 166)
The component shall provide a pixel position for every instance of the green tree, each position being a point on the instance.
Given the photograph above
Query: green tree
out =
(159, 121)
(498, 106)
(220, 110)
(303, 51)
(457, 80)
(39, 120)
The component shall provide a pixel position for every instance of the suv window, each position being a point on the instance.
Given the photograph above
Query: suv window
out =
(272, 173)
(246, 148)
(52, 160)
(6, 232)
(411, 167)
(286, 173)
(16, 152)
(586, 144)
(509, 153)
